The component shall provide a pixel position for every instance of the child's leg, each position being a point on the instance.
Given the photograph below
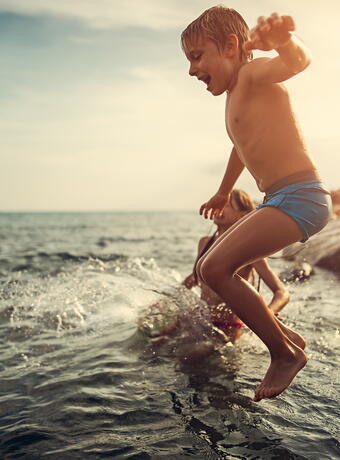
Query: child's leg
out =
(292, 335)
(236, 224)
(261, 234)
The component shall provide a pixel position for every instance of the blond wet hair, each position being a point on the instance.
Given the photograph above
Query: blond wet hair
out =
(216, 24)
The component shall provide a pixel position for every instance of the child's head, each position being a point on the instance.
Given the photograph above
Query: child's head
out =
(239, 205)
(216, 24)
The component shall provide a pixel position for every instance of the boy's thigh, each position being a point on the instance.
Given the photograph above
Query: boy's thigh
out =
(221, 237)
(218, 240)
(265, 232)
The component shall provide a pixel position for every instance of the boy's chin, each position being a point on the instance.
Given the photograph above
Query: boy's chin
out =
(217, 91)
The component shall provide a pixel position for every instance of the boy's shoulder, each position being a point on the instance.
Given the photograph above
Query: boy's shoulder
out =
(266, 70)
(248, 68)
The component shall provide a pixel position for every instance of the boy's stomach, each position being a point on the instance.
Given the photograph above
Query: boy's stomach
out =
(271, 169)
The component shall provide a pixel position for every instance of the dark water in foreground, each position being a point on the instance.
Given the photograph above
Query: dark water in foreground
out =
(78, 381)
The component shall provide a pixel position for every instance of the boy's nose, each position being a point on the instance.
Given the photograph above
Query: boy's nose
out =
(192, 71)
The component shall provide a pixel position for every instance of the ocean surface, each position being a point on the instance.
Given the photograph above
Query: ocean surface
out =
(86, 372)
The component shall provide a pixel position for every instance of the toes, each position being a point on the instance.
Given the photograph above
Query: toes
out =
(258, 393)
(272, 392)
(263, 392)
(257, 397)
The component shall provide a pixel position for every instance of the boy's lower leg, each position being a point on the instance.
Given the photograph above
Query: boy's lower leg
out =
(287, 358)
(292, 335)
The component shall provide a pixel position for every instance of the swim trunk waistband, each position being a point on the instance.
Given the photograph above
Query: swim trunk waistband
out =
(300, 176)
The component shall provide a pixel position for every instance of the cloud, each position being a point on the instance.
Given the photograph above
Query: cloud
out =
(101, 14)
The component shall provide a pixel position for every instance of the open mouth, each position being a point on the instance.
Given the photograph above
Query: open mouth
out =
(206, 79)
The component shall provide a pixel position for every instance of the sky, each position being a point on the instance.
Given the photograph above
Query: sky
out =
(98, 112)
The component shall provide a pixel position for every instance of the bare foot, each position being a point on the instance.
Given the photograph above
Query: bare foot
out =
(292, 335)
(280, 374)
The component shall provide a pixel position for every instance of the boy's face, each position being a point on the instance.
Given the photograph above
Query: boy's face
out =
(211, 65)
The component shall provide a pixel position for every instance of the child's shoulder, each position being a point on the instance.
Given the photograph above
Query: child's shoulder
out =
(202, 242)
(247, 73)
(249, 67)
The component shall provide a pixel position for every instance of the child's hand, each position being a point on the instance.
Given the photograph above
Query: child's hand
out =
(190, 281)
(270, 33)
(215, 205)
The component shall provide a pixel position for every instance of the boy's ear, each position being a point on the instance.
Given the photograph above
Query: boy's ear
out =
(231, 45)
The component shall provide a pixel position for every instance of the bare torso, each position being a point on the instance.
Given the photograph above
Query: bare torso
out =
(261, 123)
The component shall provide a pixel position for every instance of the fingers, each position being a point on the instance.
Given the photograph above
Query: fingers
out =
(289, 22)
(204, 210)
(274, 20)
(212, 213)
(270, 32)
(263, 24)
(208, 212)
(214, 207)
(255, 42)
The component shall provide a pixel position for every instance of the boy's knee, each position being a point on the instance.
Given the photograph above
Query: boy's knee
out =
(212, 272)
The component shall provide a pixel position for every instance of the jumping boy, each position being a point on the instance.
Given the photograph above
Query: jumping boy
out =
(268, 142)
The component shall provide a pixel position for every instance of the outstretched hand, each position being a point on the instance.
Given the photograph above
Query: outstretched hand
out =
(270, 33)
(214, 206)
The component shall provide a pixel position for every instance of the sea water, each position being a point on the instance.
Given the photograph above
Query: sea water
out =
(81, 379)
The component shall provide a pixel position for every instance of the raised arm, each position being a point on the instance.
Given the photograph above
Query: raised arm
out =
(216, 204)
(275, 33)
(280, 293)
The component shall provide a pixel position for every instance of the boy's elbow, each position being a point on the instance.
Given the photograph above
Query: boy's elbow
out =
(300, 66)
(300, 62)
(308, 60)
(304, 62)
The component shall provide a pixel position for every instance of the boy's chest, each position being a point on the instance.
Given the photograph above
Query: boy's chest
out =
(236, 110)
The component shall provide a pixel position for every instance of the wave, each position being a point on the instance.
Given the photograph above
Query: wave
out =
(106, 240)
(87, 293)
(52, 263)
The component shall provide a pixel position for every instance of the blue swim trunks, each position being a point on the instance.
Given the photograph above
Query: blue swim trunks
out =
(308, 203)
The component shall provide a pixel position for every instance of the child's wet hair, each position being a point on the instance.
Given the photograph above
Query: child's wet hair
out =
(243, 200)
(216, 24)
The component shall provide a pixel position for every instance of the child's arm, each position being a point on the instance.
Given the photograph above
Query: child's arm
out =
(276, 33)
(280, 293)
(216, 204)
(190, 281)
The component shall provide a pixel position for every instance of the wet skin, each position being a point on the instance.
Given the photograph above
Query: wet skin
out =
(268, 142)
